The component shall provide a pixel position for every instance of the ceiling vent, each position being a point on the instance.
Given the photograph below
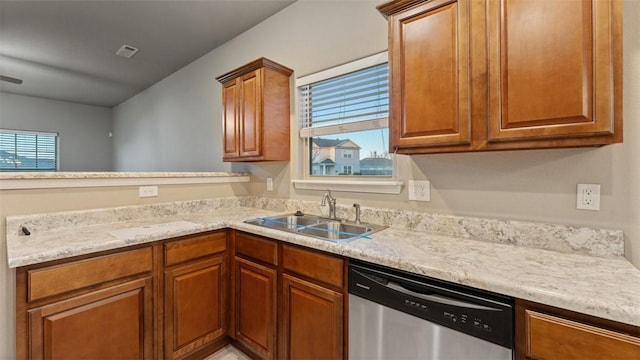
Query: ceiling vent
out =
(127, 51)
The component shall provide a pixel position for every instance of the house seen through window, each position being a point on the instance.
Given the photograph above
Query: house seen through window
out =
(28, 151)
(345, 121)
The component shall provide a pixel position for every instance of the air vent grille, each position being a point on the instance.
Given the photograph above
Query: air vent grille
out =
(127, 51)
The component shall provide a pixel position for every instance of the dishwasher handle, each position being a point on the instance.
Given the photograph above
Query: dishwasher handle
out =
(437, 298)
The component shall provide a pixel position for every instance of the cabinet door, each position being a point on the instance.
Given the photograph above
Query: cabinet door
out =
(430, 75)
(112, 323)
(251, 114)
(312, 320)
(255, 318)
(551, 68)
(230, 101)
(195, 305)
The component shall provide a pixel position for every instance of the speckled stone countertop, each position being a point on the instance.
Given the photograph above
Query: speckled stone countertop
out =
(566, 276)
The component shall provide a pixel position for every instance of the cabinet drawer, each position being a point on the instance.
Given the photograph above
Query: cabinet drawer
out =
(76, 275)
(314, 265)
(191, 248)
(550, 337)
(257, 248)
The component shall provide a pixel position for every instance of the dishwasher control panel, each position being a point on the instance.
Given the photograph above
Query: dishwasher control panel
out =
(471, 311)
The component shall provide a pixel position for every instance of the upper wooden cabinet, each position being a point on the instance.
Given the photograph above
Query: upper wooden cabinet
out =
(256, 117)
(471, 75)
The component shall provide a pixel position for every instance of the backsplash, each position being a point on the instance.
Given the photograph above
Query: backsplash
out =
(560, 238)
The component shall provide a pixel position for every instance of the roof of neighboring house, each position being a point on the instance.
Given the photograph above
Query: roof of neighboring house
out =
(375, 162)
(326, 161)
(325, 143)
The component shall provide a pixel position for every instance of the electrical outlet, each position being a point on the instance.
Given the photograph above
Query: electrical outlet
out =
(147, 191)
(269, 184)
(588, 197)
(419, 190)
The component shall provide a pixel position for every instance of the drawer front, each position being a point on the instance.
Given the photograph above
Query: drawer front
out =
(314, 265)
(257, 248)
(76, 275)
(192, 248)
(544, 334)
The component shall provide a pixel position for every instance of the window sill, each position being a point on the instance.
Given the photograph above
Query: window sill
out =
(377, 187)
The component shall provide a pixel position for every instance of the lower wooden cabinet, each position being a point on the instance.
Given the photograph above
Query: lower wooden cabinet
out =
(93, 308)
(288, 300)
(195, 306)
(195, 293)
(255, 318)
(168, 300)
(312, 320)
(544, 332)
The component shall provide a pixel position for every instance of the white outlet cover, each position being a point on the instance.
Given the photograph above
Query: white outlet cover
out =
(269, 184)
(588, 197)
(419, 190)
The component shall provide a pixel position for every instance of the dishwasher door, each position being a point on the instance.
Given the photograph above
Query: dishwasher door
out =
(380, 332)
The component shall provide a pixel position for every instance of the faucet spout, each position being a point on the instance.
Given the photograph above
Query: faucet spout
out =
(327, 198)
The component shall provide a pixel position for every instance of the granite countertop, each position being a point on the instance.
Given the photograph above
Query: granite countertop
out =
(603, 286)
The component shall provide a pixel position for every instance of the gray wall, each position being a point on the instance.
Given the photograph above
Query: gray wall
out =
(313, 35)
(84, 142)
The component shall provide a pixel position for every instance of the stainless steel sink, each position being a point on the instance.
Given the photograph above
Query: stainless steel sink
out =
(317, 227)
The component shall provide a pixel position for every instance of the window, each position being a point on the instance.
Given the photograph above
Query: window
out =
(28, 151)
(344, 119)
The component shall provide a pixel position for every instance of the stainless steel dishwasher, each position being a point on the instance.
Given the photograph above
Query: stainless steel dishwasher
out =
(398, 315)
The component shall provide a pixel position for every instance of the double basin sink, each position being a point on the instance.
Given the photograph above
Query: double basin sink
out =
(317, 227)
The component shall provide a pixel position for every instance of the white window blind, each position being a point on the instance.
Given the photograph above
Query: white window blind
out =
(28, 151)
(344, 119)
(353, 101)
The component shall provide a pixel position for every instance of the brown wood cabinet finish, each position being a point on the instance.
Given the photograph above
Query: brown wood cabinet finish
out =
(255, 317)
(314, 265)
(167, 299)
(312, 320)
(195, 305)
(59, 304)
(114, 323)
(288, 300)
(256, 117)
(194, 247)
(58, 279)
(521, 74)
(544, 332)
(430, 72)
(257, 248)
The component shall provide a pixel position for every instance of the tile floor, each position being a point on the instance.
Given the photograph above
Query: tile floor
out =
(228, 353)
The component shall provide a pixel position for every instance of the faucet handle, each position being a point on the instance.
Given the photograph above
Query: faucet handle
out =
(357, 206)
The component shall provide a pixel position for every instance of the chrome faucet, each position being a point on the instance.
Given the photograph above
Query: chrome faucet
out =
(357, 206)
(332, 204)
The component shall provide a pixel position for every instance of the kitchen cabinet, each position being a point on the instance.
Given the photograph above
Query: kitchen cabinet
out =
(255, 294)
(288, 301)
(313, 292)
(545, 332)
(99, 307)
(167, 299)
(256, 115)
(195, 293)
(475, 75)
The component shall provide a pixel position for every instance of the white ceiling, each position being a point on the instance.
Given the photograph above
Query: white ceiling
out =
(65, 50)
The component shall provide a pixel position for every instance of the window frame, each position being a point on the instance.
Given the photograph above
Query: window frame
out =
(56, 137)
(368, 184)
(305, 134)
